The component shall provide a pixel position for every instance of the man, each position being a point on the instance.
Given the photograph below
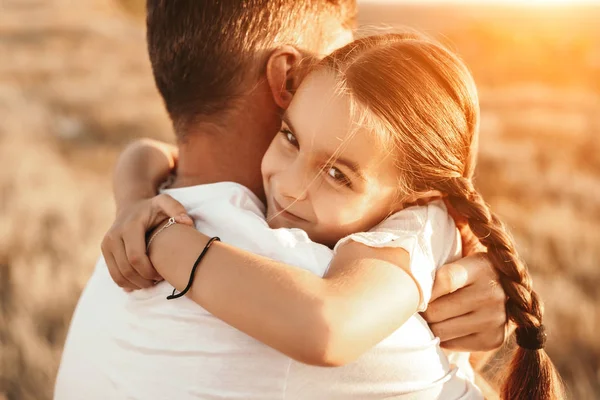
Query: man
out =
(226, 71)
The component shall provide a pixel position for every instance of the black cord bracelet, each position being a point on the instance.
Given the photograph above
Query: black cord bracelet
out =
(193, 273)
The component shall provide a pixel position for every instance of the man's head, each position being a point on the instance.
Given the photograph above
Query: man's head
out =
(206, 55)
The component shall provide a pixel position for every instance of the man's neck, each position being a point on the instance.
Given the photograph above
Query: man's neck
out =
(228, 153)
(211, 160)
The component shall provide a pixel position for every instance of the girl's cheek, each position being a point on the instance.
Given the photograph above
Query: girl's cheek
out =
(334, 210)
(272, 161)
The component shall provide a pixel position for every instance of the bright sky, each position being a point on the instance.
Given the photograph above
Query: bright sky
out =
(522, 2)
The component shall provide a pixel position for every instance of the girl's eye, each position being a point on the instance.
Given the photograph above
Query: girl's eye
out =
(290, 137)
(338, 176)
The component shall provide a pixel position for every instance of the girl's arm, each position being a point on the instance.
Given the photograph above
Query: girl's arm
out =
(140, 169)
(365, 296)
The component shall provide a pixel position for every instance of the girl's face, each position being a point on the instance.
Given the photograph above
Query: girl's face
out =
(322, 173)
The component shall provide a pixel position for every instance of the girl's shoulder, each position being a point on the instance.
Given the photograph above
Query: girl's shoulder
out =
(427, 220)
(417, 219)
(427, 233)
(428, 229)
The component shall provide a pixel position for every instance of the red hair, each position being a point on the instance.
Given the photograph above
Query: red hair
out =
(423, 100)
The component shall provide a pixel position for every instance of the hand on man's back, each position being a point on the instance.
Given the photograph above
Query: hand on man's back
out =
(468, 306)
(467, 310)
(124, 245)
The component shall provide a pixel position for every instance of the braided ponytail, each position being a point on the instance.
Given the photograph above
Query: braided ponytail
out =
(531, 376)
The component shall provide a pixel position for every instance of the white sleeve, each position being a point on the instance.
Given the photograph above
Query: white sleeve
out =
(427, 233)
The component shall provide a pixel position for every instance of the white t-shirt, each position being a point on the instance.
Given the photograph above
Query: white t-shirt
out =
(141, 346)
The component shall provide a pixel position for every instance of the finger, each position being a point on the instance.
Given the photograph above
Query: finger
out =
(184, 219)
(469, 324)
(136, 281)
(170, 207)
(455, 304)
(451, 277)
(135, 249)
(115, 273)
(113, 269)
(470, 243)
(484, 341)
(465, 344)
(479, 295)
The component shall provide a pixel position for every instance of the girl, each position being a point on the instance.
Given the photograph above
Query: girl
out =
(380, 137)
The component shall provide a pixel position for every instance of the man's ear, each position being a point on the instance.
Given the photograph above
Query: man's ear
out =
(283, 74)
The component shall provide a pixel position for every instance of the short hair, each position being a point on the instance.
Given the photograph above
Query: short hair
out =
(202, 50)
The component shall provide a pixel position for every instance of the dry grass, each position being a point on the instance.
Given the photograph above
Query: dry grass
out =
(78, 87)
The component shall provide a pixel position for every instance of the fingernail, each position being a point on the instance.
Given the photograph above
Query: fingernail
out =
(185, 218)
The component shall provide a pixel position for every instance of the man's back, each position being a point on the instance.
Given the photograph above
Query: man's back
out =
(141, 346)
(123, 346)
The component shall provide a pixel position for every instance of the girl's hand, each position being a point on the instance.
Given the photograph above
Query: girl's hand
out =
(124, 245)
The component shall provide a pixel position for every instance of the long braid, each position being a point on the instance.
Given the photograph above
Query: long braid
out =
(532, 375)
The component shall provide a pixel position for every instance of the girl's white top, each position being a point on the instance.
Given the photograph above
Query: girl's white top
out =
(141, 346)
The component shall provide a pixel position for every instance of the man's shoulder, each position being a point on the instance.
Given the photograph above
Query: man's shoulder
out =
(218, 193)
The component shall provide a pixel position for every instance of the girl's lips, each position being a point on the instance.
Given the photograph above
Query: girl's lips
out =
(280, 211)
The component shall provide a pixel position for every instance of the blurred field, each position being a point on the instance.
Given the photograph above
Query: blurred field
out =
(75, 86)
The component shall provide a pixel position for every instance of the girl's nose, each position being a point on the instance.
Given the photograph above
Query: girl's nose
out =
(293, 183)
